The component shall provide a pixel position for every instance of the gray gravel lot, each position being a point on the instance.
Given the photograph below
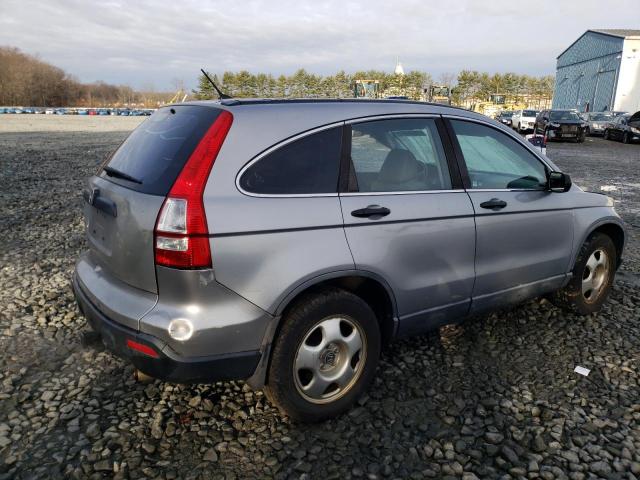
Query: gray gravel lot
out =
(495, 397)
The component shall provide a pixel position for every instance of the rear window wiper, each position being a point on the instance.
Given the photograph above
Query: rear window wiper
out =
(113, 172)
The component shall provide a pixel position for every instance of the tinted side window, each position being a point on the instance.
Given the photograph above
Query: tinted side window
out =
(305, 166)
(398, 155)
(495, 160)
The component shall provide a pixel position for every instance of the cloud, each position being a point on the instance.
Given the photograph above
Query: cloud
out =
(143, 42)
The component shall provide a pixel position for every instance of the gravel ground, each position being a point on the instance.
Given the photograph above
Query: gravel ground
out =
(495, 397)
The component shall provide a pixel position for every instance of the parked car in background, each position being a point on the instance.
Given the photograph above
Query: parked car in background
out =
(597, 122)
(561, 125)
(523, 120)
(324, 230)
(505, 117)
(625, 128)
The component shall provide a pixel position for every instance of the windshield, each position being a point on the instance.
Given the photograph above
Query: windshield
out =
(563, 115)
(600, 117)
(529, 113)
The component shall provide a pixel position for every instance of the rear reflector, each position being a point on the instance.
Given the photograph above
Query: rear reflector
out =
(144, 349)
(181, 233)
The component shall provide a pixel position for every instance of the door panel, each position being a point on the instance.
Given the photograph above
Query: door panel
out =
(527, 241)
(523, 232)
(406, 224)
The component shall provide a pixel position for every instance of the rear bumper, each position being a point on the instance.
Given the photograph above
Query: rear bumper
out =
(167, 365)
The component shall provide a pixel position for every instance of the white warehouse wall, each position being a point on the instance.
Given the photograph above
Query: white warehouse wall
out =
(627, 97)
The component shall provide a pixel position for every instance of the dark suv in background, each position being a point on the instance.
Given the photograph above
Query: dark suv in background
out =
(625, 128)
(561, 125)
(505, 117)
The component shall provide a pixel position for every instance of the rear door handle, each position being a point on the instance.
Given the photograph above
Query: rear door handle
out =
(494, 204)
(371, 211)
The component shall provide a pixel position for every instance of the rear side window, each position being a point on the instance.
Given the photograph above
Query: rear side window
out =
(305, 166)
(398, 155)
(156, 151)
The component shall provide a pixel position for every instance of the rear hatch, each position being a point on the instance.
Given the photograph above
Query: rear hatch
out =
(123, 200)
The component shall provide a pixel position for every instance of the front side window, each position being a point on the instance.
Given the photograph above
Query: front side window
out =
(309, 165)
(495, 160)
(398, 155)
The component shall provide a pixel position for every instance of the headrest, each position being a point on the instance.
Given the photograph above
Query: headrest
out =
(400, 166)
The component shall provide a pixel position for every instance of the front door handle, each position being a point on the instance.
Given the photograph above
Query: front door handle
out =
(371, 211)
(494, 204)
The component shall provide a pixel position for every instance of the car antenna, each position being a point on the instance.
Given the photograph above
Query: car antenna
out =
(221, 95)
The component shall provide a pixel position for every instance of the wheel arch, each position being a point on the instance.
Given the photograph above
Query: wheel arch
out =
(369, 286)
(611, 227)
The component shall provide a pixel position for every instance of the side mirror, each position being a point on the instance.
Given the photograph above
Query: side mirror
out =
(558, 182)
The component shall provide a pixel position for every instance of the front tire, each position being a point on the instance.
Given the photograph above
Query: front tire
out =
(324, 357)
(625, 138)
(605, 135)
(592, 277)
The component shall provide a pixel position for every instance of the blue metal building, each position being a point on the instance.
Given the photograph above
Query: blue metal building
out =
(600, 71)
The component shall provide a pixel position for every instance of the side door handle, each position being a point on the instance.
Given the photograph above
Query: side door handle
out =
(371, 211)
(494, 204)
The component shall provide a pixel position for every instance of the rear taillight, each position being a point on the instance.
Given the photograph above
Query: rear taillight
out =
(181, 233)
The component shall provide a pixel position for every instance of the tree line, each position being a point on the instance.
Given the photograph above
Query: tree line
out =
(468, 88)
(473, 87)
(309, 85)
(27, 81)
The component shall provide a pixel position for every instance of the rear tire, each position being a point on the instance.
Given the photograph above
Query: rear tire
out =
(324, 357)
(592, 278)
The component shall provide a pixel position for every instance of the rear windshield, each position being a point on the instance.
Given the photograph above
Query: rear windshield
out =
(156, 151)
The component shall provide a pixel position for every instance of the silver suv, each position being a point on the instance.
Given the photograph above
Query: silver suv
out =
(285, 242)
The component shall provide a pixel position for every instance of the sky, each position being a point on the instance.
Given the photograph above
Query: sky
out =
(155, 44)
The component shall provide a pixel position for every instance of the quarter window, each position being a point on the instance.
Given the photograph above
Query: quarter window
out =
(305, 166)
(398, 155)
(496, 161)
